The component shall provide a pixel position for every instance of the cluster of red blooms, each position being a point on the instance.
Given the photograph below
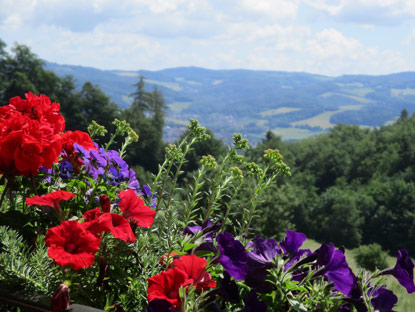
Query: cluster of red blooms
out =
(183, 272)
(75, 244)
(31, 135)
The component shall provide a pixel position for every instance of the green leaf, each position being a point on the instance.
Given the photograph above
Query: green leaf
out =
(296, 305)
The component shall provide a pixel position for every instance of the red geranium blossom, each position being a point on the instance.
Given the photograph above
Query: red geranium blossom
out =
(80, 137)
(29, 135)
(133, 208)
(166, 286)
(194, 267)
(115, 224)
(70, 243)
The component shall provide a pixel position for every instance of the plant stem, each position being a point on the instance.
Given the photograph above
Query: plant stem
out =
(3, 195)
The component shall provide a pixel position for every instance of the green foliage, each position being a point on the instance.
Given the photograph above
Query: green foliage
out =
(351, 186)
(146, 117)
(24, 269)
(371, 257)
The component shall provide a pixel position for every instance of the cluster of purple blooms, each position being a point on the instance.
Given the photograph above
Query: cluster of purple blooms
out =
(252, 264)
(112, 168)
(99, 164)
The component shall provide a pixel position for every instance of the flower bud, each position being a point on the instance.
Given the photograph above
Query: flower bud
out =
(105, 203)
(60, 299)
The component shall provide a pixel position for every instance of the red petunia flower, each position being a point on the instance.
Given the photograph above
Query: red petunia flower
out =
(70, 243)
(92, 214)
(194, 267)
(52, 200)
(166, 286)
(115, 224)
(133, 208)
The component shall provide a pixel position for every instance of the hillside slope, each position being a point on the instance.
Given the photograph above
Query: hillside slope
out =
(293, 105)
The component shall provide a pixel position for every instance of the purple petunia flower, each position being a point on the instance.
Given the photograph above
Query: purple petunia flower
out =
(335, 268)
(292, 242)
(253, 304)
(208, 229)
(228, 289)
(260, 260)
(383, 300)
(233, 256)
(403, 271)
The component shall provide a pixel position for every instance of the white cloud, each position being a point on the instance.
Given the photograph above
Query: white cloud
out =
(331, 43)
(410, 39)
(366, 11)
(276, 9)
(260, 34)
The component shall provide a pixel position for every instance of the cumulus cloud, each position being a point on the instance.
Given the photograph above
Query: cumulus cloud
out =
(366, 11)
(276, 9)
(254, 34)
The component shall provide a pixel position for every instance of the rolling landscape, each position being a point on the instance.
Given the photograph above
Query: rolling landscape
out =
(293, 105)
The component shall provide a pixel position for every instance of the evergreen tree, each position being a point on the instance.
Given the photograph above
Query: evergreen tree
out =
(146, 117)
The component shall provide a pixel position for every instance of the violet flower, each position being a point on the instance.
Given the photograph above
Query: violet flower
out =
(208, 229)
(252, 304)
(233, 256)
(65, 169)
(335, 268)
(403, 271)
(228, 289)
(292, 242)
(260, 260)
(290, 245)
(383, 300)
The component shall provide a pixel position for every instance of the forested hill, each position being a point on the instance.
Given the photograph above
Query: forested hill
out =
(293, 105)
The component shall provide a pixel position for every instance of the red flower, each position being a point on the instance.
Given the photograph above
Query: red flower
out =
(194, 267)
(60, 299)
(115, 224)
(52, 200)
(166, 286)
(29, 134)
(82, 138)
(70, 243)
(105, 203)
(92, 214)
(134, 209)
(40, 108)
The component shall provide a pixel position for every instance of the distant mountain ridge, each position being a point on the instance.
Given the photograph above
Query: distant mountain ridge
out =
(292, 104)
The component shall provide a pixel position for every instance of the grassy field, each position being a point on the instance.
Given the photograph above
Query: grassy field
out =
(293, 133)
(406, 302)
(279, 111)
(323, 120)
(179, 106)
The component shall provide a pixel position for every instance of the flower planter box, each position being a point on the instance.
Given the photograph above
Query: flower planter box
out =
(36, 303)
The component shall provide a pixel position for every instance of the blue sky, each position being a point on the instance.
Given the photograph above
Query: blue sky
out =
(330, 37)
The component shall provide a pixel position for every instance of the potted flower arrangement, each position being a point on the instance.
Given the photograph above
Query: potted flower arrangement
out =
(79, 229)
